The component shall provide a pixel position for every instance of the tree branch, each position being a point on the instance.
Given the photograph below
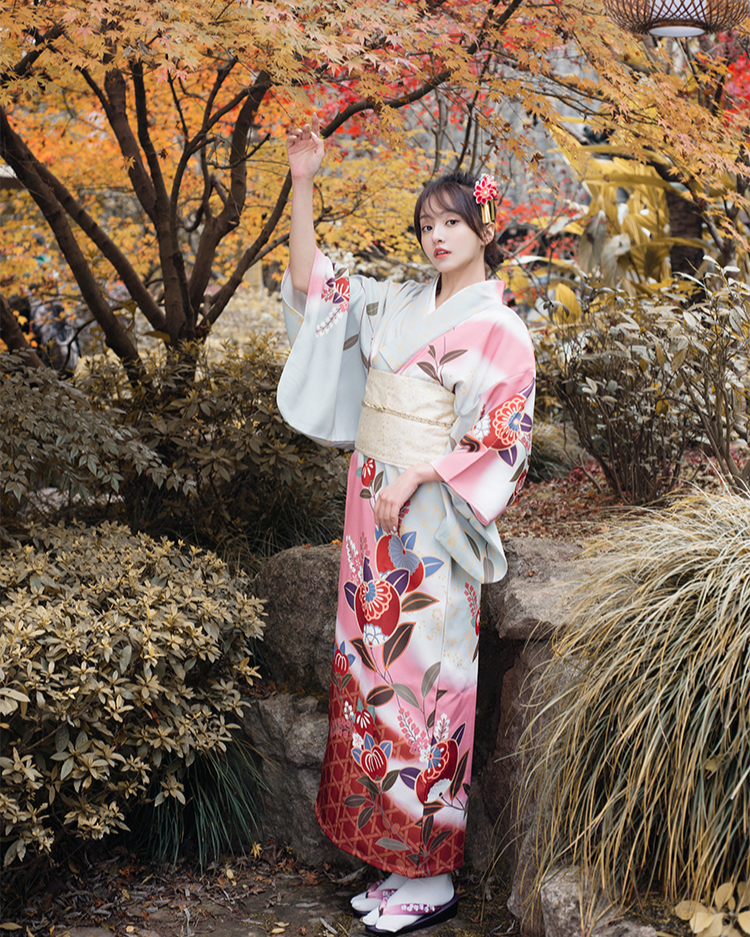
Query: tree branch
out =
(177, 305)
(40, 47)
(251, 254)
(18, 156)
(114, 102)
(106, 245)
(12, 334)
(217, 228)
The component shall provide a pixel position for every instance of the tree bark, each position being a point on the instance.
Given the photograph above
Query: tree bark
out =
(685, 221)
(217, 228)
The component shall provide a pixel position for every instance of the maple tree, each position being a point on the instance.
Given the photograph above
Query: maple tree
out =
(149, 136)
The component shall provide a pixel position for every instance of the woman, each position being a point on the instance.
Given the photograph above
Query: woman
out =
(435, 386)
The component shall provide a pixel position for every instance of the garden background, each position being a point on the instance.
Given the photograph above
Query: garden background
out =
(147, 476)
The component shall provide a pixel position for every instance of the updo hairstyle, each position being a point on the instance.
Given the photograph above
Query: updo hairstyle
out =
(455, 192)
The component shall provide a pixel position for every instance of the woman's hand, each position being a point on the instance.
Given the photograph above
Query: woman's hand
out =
(305, 150)
(392, 498)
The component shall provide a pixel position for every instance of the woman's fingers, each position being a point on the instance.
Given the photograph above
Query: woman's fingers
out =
(391, 499)
(309, 131)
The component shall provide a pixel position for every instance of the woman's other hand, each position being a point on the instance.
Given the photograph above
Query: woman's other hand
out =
(392, 498)
(305, 150)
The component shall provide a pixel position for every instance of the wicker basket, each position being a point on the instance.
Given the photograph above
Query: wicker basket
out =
(677, 17)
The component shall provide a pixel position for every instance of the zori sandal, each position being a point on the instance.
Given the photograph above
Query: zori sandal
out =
(429, 914)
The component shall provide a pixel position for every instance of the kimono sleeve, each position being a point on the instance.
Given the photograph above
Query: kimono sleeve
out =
(330, 329)
(491, 439)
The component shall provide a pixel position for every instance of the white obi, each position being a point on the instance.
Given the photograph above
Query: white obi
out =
(404, 421)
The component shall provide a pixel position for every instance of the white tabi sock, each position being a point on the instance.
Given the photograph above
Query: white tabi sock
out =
(362, 902)
(436, 890)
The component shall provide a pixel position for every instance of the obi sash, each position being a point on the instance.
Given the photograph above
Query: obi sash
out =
(404, 421)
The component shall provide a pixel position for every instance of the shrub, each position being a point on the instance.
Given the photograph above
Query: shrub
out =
(621, 392)
(708, 348)
(645, 763)
(216, 423)
(53, 436)
(121, 662)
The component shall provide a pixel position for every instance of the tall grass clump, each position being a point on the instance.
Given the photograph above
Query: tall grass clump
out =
(644, 765)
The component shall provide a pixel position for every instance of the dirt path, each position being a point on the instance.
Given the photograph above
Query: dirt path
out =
(245, 897)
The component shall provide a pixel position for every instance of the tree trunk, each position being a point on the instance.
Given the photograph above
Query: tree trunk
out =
(685, 221)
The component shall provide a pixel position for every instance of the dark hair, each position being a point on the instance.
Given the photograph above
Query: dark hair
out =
(455, 192)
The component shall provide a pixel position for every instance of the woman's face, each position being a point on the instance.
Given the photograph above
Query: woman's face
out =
(448, 241)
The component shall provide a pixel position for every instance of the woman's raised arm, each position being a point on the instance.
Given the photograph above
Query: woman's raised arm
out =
(305, 151)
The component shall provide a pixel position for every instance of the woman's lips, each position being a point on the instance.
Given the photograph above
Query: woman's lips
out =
(440, 252)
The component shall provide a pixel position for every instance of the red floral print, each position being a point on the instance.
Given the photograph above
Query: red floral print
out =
(369, 470)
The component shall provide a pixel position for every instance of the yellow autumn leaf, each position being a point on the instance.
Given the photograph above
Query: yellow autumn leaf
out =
(722, 895)
(568, 299)
(686, 909)
(702, 920)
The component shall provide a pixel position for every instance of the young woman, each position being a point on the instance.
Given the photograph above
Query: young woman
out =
(434, 385)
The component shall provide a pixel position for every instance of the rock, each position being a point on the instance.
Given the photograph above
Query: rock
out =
(504, 776)
(479, 846)
(300, 590)
(563, 898)
(523, 903)
(527, 603)
(290, 733)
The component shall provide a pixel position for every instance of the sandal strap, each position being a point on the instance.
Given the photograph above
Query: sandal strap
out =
(375, 891)
(409, 907)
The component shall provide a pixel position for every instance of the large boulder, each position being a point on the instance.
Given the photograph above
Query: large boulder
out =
(570, 909)
(290, 733)
(528, 602)
(300, 590)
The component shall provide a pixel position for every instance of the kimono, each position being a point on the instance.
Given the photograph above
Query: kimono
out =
(395, 780)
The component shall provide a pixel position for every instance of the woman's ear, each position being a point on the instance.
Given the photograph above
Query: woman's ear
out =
(488, 233)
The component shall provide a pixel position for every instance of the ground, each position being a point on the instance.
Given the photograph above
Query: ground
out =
(268, 896)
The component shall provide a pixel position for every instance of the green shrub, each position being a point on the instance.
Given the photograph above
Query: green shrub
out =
(121, 661)
(223, 802)
(52, 436)
(621, 393)
(216, 423)
(645, 759)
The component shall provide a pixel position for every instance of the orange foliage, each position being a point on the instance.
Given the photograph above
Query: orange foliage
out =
(150, 136)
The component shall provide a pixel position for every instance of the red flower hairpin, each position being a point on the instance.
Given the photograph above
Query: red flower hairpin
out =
(485, 193)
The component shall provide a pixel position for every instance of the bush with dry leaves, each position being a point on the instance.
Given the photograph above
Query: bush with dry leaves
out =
(121, 661)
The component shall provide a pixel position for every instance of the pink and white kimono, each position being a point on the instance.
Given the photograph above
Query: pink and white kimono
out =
(395, 779)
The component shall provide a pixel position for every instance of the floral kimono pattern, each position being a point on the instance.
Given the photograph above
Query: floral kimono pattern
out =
(397, 770)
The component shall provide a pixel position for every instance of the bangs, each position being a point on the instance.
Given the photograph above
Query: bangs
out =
(440, 200)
